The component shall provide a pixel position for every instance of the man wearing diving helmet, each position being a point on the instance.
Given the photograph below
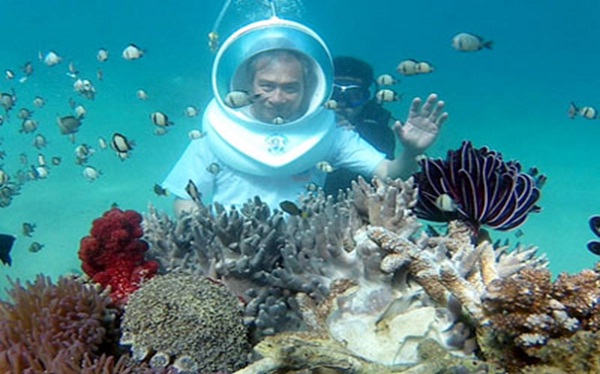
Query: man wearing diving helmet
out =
(279, 86)
(268, 133)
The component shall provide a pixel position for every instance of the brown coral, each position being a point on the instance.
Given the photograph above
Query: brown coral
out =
(580, 294)
(527, 313)
(185, 322)
(579, 353)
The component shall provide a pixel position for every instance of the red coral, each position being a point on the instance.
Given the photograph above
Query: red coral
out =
(114, 253)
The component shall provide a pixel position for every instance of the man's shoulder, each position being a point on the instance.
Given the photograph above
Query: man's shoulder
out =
(199, 148)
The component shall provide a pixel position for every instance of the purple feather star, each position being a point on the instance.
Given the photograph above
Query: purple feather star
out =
(484, 189)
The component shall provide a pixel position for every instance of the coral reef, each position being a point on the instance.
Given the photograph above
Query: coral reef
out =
(354, 285)
(54, 328)
(527, 316)
(185, 322)
(113, 255)
(406, 288)
(578, 353)
(316, 348)
(483, 188)
(351, 285)
(239, 248)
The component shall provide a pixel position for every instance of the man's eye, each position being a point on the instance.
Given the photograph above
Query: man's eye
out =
(291, 89)
(267, 87)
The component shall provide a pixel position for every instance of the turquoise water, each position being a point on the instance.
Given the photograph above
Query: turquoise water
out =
(513, 99)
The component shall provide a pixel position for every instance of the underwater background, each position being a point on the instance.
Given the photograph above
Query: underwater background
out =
(513, 98)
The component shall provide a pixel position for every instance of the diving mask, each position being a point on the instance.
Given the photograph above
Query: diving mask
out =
(350, 95)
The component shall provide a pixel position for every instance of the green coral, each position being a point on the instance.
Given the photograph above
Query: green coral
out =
(579, 353)
(182, 315)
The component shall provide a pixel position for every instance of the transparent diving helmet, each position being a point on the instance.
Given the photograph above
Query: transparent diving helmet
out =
(291, 137)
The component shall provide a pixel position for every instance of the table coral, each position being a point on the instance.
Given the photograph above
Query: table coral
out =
(113, 254)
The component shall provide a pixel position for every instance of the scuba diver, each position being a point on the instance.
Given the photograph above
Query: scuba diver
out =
(268, 133)
(358, 110)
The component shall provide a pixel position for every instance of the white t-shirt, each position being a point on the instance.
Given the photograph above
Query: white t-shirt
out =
(218, 182)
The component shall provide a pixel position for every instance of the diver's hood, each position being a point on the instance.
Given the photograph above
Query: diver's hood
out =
(252, 146)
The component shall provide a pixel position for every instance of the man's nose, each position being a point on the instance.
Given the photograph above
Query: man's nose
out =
(277, 96)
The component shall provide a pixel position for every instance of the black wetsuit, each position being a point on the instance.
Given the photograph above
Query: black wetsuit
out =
(373, 125)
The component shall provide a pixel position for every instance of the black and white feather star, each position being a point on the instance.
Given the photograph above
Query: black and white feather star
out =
(485, 189)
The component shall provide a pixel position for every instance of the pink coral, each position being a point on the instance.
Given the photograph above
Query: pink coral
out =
(47, 326)
(113, 255)
(67, 328)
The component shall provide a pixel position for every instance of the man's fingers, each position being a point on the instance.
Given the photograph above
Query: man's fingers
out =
(442, 119)
(428, 107)
(415, 107)
(437, 111)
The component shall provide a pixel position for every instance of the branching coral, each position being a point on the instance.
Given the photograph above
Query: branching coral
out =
(403, 287)
(527, 312)
(269, 259)
(266, 259)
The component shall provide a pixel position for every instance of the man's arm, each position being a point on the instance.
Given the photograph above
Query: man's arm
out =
(402, 166)
(418, 133)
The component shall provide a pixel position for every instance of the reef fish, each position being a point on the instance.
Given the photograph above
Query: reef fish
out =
(102, 55)
(213, 168)
(386, 95)
(195, 134)
(386, 80)
(161, 119)
(35, 247)
(91, 173)
(573, 110)
(595, 225)
(28, 228)
(239, 99)
(6, 243)
(51, 58)
(160, 190)
(594, 245)
(191, 111)
(325, 167)
(466, 42)
(141, 94)
(132, 52)
(407, 67)
(213, 41)
(121, 145)
(291, 208)
(588, 112)
(192, 190)
(8, 100)
(446, 203)
(68, 124)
